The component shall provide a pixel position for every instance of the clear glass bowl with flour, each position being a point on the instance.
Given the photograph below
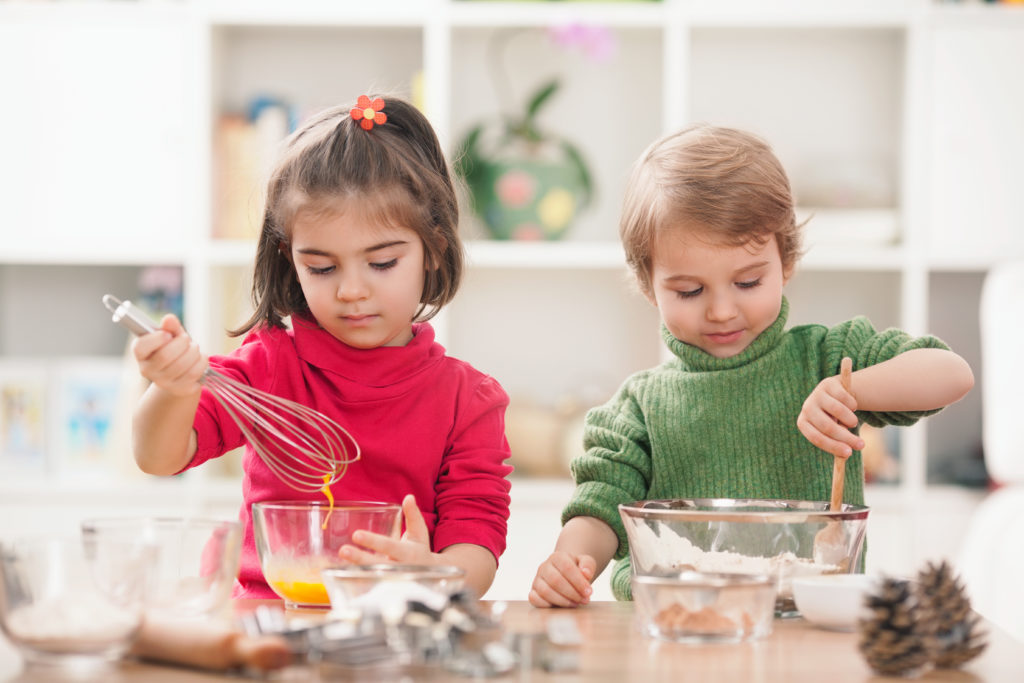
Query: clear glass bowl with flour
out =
(72, 601)
(746, 536)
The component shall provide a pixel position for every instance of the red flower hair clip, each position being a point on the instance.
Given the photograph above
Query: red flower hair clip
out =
(368, 112)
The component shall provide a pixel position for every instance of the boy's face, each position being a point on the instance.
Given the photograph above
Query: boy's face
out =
(363, 280)
(718, 298)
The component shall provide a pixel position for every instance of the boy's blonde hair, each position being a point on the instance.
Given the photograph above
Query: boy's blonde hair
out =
(723, 182)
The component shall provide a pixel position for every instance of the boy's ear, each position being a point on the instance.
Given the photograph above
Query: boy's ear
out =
(787, 272)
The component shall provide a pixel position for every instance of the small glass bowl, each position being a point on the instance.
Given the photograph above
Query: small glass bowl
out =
(296, 540)
(693, 607)
(72, 601)
(350, 586)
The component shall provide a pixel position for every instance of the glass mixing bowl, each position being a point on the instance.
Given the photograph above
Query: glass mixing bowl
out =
(72, 601)
(296, 540)
(196, 560)
(777, 538)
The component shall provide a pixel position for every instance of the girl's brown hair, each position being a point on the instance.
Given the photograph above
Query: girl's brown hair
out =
(726, 182)
(396, 173)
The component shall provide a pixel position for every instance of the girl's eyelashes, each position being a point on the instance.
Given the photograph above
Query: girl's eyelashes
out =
(749, 283)
(327, 270)
(690, 293)
(324, 270)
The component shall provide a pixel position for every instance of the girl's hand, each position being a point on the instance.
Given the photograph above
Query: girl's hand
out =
(170, 358)
(412, 548)
(563, 580)
(828, 416)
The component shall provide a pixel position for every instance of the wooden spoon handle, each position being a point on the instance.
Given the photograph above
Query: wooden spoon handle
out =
(845, 370)
(839, 464)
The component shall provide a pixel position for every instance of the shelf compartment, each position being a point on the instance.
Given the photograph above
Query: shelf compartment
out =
(829, 101)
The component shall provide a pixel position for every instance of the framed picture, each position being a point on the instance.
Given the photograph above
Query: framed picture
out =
(85, 397)
(23, 410)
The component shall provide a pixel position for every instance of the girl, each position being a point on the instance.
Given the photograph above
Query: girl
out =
(710, 235)
(359, 246)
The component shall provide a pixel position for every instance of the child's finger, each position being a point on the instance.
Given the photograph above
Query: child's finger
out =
(588, 566)
(552, 588)
(841, 412)
(415, 525)
(822, 441)
(170, 323)
(536, 600)
(838, 432)
(146, 345)
(354, 555)
(541, 595)
(564, 576)
(379, 543)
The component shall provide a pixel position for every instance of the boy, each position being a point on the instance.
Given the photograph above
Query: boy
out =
(745, 408)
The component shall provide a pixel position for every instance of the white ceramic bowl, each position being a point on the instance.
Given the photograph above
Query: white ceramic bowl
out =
(833, 601)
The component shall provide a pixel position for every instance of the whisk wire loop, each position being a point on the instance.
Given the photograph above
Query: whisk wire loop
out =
(325, 448)
(304, 448)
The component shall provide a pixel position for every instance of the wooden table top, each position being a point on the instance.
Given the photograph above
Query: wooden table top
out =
(613, 649)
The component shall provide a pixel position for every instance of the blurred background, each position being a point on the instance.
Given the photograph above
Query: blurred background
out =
(135, 136)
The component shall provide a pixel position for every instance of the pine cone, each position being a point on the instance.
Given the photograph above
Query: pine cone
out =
(890, 639)
(947, 618)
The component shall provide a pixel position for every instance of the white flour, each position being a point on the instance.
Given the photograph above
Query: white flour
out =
(80, 624)
(664, 549)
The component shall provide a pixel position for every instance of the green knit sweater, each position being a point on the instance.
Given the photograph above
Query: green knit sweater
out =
(698, 426)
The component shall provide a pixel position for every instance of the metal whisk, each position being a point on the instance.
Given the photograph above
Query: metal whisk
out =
(304, 448)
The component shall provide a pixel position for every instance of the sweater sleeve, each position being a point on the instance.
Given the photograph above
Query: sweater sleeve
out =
(472, 489)
(615, 466)
(859, 340)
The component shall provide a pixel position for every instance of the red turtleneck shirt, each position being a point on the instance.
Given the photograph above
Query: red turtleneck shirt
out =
(426, 424)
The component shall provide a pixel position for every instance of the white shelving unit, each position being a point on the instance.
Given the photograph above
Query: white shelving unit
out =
(899, 121)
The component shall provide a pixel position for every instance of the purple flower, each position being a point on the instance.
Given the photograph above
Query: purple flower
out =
(596, 42)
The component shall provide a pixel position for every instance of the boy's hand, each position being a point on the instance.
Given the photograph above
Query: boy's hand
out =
(170, 358)
(563, 580)
(828, 416)
(412, 548)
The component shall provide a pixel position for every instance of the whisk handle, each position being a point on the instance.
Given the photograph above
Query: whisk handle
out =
(128, 315)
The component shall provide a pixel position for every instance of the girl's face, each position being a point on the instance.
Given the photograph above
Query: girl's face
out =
(718, 298)
(363, 280)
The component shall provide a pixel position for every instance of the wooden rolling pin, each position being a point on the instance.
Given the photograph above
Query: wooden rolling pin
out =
(209, 645)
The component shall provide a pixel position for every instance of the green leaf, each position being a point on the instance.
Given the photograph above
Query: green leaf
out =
(542, 95)
(581, 167)
(528, 128)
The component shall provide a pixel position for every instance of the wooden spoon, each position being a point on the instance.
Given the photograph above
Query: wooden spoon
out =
(830, 542)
